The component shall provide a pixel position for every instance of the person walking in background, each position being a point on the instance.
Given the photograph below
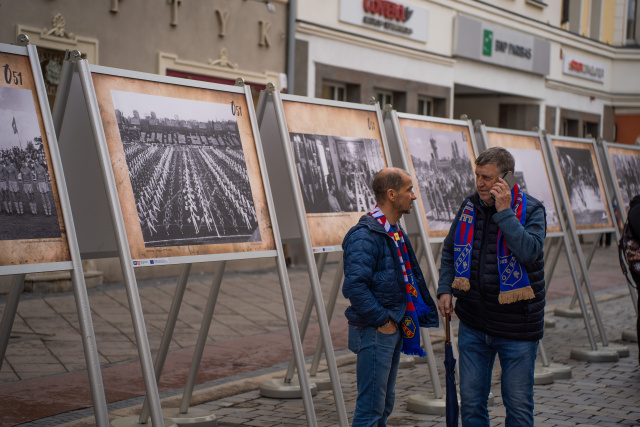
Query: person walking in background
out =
(633, 220)
(492, 261)
(388, 295)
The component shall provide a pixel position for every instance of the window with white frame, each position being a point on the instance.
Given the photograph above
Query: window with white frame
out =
(384, 97)
(334, 91)
(632, 21)
(425, 106)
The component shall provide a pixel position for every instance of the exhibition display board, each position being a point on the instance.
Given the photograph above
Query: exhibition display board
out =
(37, 232)
(624, 167)
(531, 170)
(578, 176)
(622, 163)
(182, 169)
(582, 181)
(330, 151)
(439, 154)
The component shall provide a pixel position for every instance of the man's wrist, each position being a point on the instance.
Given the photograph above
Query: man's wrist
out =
(386, 322)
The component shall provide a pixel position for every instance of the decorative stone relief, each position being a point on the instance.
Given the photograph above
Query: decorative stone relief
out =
(58, 23)
(223, 60)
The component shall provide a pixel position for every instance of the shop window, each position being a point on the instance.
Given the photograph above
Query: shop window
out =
(334, 91)
(384, 97)
(425, 106)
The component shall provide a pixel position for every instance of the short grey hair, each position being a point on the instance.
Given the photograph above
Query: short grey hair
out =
(387, 179)
(498, 156)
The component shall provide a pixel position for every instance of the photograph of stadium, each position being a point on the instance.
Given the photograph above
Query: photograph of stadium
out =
(187, 170)
(527, 152)
(626, 165)
(443, 169)
(27, 205)
(335, 173)
(583, 184)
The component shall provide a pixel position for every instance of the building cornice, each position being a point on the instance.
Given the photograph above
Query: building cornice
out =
(309, 28)
(616, 99)
(486, 12)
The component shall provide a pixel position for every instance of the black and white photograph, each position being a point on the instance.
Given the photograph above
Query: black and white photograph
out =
(187, 170)
(335, 172)
(443, 169)
(581, 181)
(531, 175)
(627, 170)
(27, 204)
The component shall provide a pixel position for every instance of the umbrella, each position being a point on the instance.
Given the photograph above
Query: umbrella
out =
(450, 377)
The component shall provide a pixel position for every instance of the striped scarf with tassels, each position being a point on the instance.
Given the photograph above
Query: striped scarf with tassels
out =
(415, 305)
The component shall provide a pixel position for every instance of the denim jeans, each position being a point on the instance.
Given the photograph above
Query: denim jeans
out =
(376, 371)
(517, 359)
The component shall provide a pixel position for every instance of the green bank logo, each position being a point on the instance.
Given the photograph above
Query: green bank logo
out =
(487, 43)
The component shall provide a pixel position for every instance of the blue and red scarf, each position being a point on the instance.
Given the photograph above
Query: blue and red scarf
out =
(415, 305)
(514, 282)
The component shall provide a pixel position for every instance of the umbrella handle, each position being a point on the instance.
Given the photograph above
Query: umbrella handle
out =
(447, 317)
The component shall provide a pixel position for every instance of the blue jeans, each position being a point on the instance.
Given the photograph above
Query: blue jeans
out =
(376, 371)
(517, 359)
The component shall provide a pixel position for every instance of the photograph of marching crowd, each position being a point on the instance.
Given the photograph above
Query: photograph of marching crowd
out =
(531, 176)
(443, 169)
(626, 168)
(27, 206)
(335, 173)
(581, 181)
(187, 170)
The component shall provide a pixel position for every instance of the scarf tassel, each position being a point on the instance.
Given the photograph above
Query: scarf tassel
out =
(515, 295)
(461, 283)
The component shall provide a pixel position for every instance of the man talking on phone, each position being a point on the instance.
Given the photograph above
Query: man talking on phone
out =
(492, 263)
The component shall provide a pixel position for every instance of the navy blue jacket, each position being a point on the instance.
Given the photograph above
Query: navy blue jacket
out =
(373, 278)
(478, 308)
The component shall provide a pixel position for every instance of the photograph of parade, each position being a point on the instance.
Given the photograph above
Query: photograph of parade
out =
(335, 173)
(627, 169)
(581, 181)
(443, 169)
(187, 170)
(27, 205)
(530, 173)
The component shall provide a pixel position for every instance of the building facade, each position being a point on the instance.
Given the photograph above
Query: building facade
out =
(570, 67)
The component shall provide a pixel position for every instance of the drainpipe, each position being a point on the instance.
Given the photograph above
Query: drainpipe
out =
(291, 46)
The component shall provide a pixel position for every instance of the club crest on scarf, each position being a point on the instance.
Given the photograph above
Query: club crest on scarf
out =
(415, 305)
(514, 282)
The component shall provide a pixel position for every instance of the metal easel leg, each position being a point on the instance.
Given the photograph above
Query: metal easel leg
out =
(9, 315)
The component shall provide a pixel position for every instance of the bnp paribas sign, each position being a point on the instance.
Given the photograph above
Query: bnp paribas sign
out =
(387, 16)
(497, 45)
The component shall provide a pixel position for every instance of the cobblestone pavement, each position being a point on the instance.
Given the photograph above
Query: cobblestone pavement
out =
(598, 394)
(45, 351)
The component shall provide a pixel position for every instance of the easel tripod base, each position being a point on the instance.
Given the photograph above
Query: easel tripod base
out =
(135, 422)
(276, 388)
(195, 417)
(588, 355)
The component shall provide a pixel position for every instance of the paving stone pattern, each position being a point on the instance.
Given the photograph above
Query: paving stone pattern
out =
(598, 394)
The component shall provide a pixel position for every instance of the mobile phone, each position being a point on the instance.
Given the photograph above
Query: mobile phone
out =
(511, 180)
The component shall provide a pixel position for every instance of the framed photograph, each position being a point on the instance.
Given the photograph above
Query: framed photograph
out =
(530, 164)
(441, 159)
(31, 224)
(337, 153)
(186, 168)
(626, 170)
(583, 183)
